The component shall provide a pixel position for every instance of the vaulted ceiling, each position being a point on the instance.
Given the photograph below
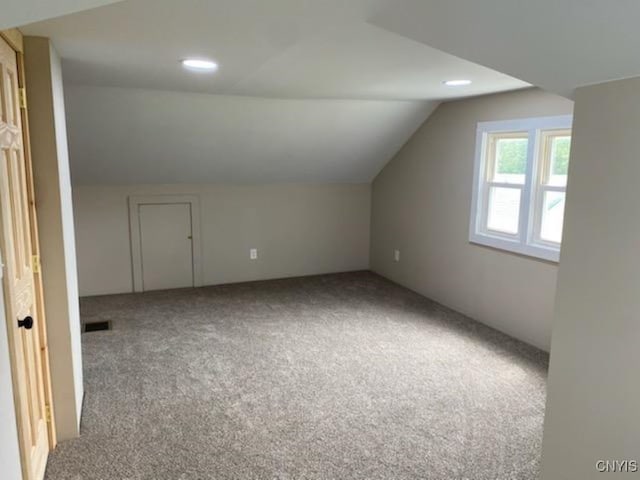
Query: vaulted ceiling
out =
(275, 48)
(306, 91)
(389, 51)
(557, 45)
(132, 136)
(20, 12)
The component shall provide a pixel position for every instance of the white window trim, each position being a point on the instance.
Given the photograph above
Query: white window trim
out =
(524, 243)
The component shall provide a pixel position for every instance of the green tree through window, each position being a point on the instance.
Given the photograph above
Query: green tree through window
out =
(560, 155)
(512, 155)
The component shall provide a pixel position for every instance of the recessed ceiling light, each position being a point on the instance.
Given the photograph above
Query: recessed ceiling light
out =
(200, 65)
(457, 83)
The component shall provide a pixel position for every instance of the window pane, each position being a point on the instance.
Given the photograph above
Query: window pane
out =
(511, 160)
(559, 161)
(504, 210)
(552, 216)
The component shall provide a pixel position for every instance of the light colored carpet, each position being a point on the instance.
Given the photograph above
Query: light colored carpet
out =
(343, 376)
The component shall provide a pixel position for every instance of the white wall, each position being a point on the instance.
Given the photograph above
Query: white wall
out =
(9, 446)
(593, 389)
(421, 206)
(298, 229)
(56, 230)
(67, 223)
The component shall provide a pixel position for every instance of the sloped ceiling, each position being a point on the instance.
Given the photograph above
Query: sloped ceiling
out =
(306, 90)
(279, 48)
(19, 12)
(130, 136)
(383, 50)
(554, 44)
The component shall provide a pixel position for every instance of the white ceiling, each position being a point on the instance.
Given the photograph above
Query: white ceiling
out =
(130, 136)
(554, 44)
(20, 12)
(275, 48)
(307, 90)
(320, 49)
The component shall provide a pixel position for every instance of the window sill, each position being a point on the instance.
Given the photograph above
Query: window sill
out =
(514, 246)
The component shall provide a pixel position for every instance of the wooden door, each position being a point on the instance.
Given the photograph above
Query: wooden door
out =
(166, 246)
(19, 285)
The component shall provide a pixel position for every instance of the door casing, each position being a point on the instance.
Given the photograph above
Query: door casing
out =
(134, 227)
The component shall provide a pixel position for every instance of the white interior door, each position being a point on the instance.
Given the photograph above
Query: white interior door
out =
(166, 244)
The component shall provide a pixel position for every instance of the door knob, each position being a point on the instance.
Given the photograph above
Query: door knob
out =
(26, 323)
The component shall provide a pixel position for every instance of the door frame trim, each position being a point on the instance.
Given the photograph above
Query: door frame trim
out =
(13, 37)
(134, 231)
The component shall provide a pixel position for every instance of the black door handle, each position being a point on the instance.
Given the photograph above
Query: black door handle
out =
(26, 323)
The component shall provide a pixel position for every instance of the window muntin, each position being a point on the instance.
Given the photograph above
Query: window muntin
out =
(520, 185)
(505, 172)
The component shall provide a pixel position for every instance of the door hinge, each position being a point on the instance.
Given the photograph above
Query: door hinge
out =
(47, 413)
(35, 263)
(22, 95)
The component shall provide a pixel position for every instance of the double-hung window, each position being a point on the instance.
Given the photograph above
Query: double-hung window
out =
(520, 185)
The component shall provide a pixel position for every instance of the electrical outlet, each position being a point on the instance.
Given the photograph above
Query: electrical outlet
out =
(396, 255)
(253, 254)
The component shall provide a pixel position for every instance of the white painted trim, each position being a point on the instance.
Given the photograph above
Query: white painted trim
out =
(134, 225)
(522, 243)
(525, 124)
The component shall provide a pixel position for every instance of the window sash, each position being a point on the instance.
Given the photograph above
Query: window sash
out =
(488, 186)
(492, 152)
(546, 141)
(538, 216)
(546, 138)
